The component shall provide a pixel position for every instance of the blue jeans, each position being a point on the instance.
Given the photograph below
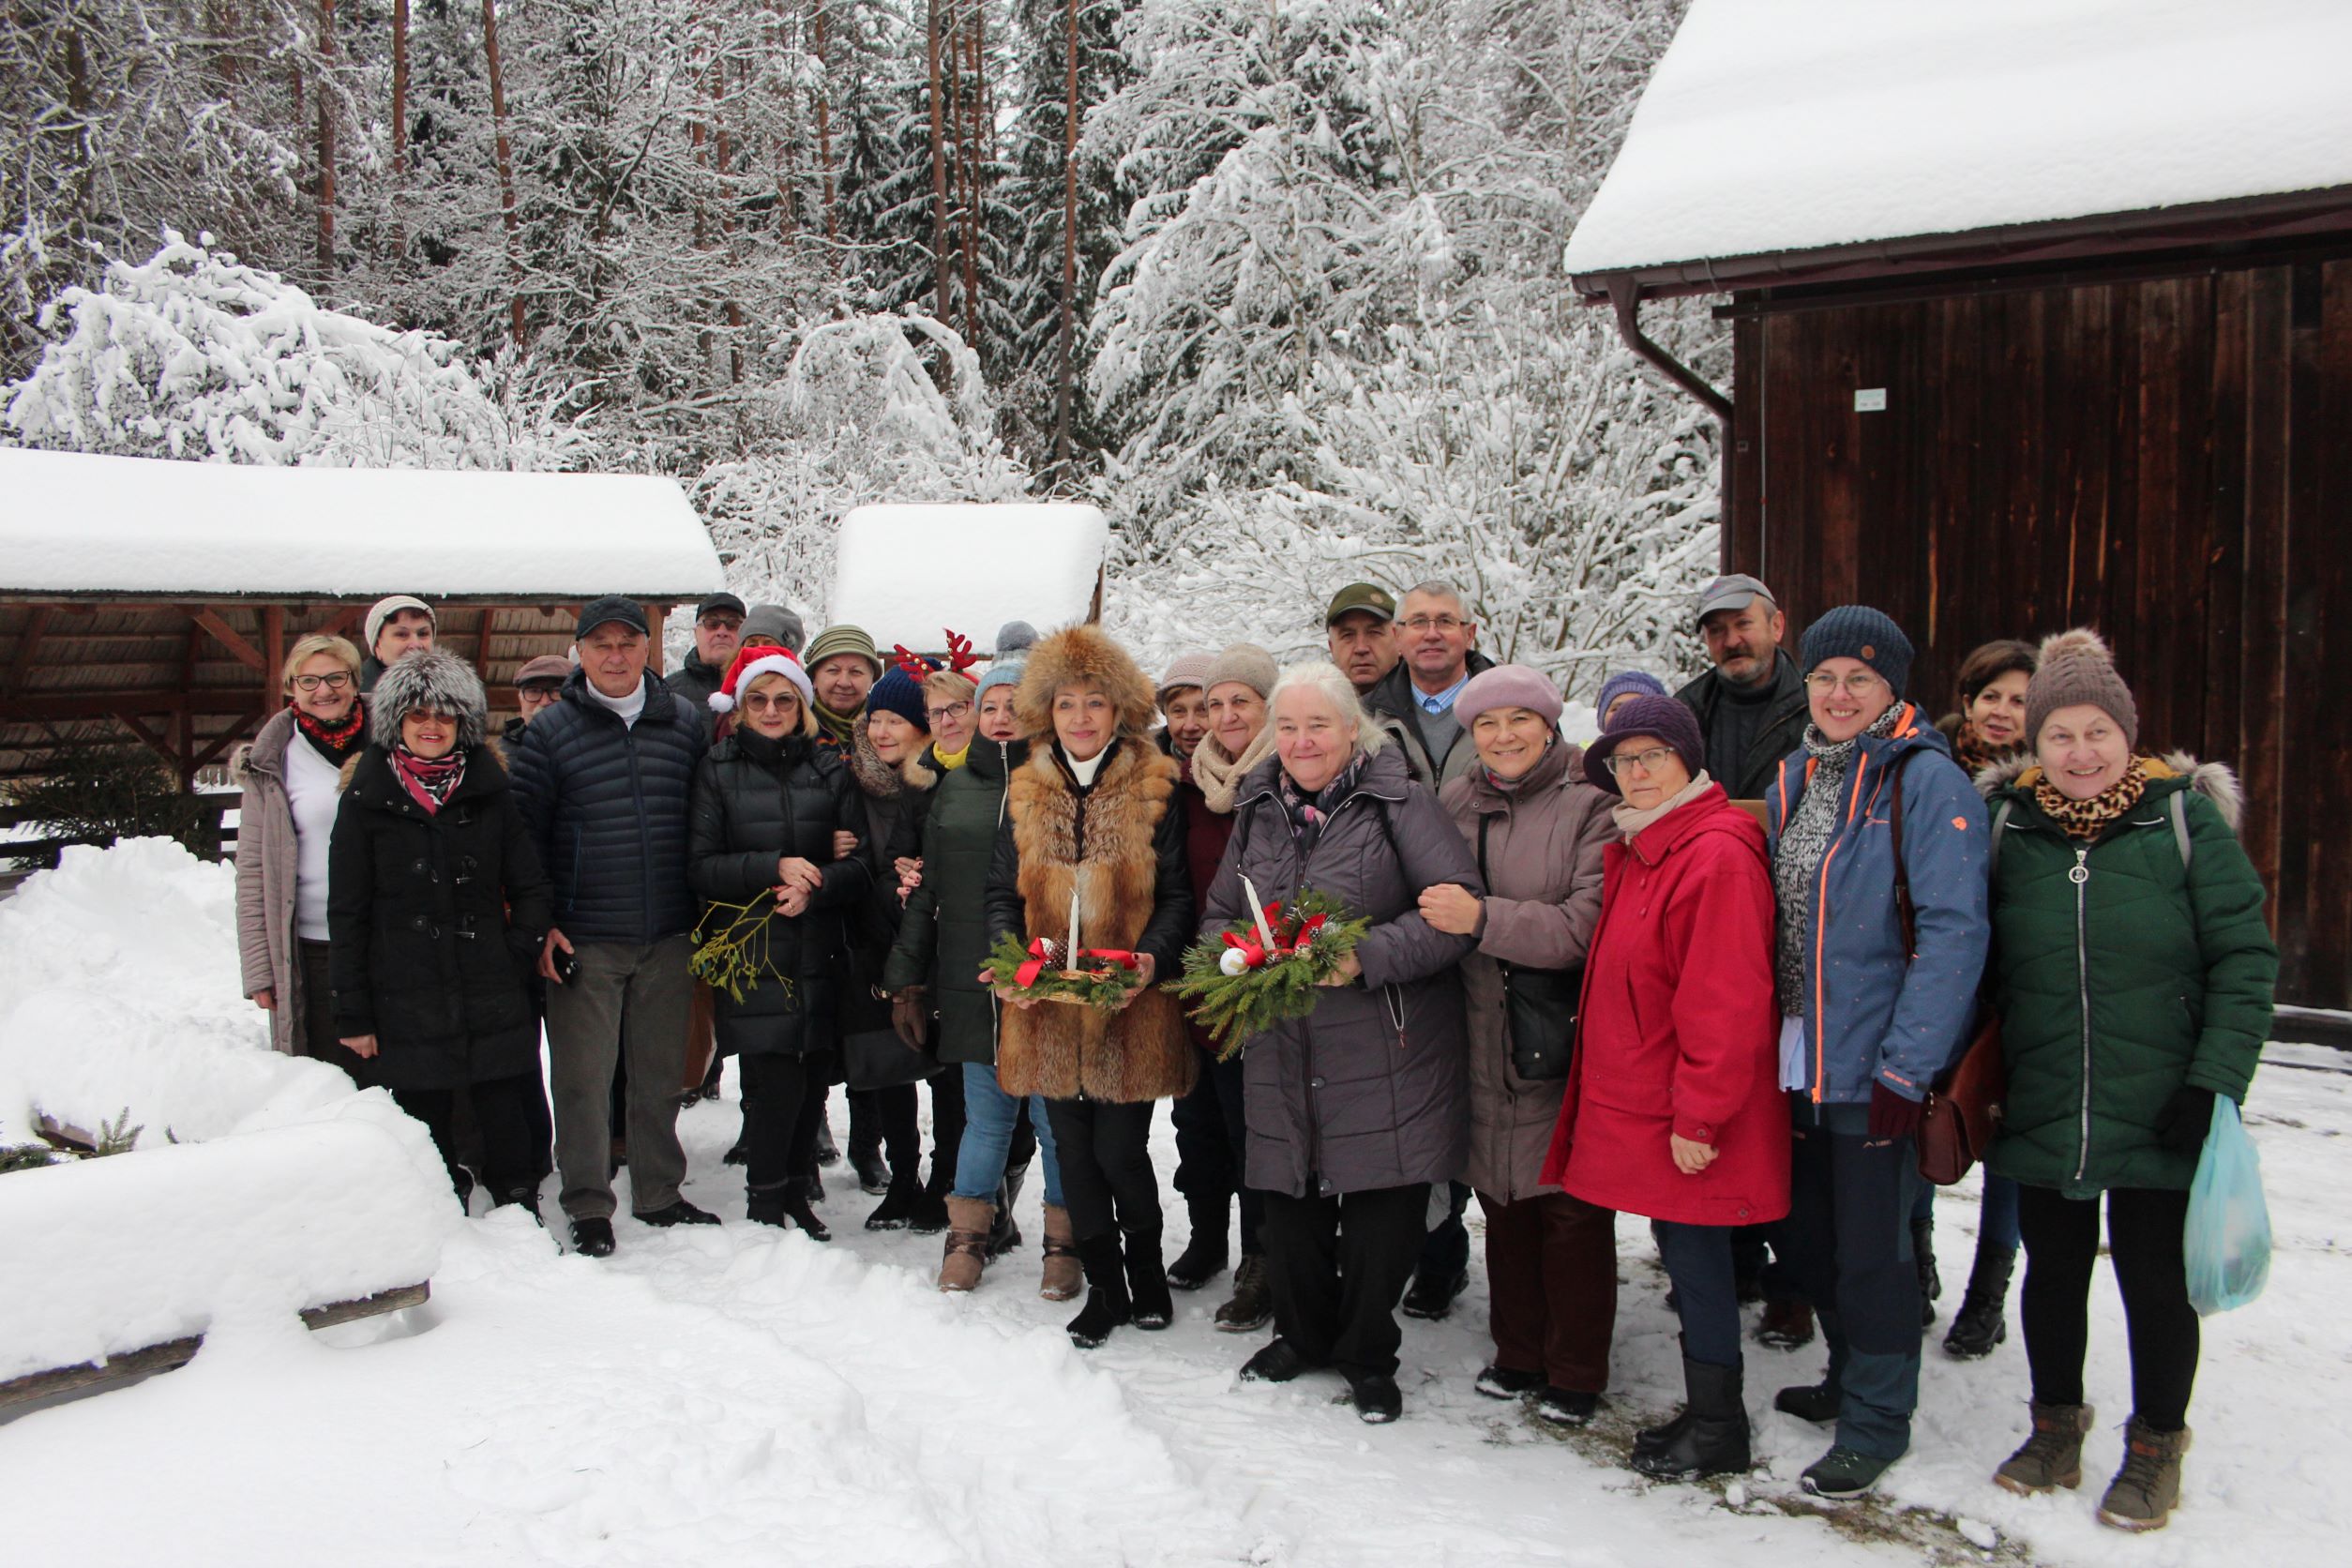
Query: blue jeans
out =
(989, 1113)
(1996, 1216)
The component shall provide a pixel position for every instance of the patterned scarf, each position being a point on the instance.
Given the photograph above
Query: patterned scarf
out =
(1217, 776)
(1973, 755)
(335, 742)
(1306, 817)
(429, 779)
(1802, 843)
(838, 726)
(2085, 820)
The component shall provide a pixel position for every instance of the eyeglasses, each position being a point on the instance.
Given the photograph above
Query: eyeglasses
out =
(539, 691)
(763, 703)
(952, 711)
(1433, 623)
(1861, 684)
(1648, 760)
(335, 682)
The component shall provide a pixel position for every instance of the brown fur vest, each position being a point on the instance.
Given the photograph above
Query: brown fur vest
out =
(1064, 1052)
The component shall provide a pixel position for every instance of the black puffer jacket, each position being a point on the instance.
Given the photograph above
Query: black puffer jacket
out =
(1370, 1089)
(755, 802)
(943, 932)
(606, 804)
(426, 955)
(692, 683)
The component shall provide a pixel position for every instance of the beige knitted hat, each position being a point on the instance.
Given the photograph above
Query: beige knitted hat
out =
(2077, 667)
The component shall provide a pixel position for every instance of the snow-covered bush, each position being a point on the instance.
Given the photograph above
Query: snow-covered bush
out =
(194, 354)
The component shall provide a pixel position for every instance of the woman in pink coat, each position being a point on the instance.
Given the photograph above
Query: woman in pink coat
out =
(1673, 1108)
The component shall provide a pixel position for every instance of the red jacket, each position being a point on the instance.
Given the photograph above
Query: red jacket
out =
(1679, 1028)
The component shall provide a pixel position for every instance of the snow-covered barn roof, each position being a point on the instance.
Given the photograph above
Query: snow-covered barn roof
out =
(1773, 126)
(75, 523)
(906, 572)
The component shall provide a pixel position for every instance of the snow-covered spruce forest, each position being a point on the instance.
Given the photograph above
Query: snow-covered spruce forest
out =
(1276, 283)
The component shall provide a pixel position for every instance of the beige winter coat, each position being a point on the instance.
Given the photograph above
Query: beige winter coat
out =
(266, 948)
(1543, 857)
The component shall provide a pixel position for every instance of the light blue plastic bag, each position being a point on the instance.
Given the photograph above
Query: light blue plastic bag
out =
(2228, 1237)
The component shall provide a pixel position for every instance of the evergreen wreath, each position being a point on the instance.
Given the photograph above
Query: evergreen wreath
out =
(1239, 987)
(1038, 971)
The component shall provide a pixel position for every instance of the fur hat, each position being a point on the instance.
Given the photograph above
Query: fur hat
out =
(1084, 653)
(1508, 685)
(2077, 667)
(1247, 663)
(1639, 682)
(384, 609)
(1857, 631)
(1669, 720)
(752, 663)
(429, 680)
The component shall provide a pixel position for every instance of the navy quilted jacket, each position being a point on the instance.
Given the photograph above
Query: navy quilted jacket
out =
(606, 804)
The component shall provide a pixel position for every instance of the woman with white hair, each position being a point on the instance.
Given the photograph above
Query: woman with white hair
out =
(1355, 1110)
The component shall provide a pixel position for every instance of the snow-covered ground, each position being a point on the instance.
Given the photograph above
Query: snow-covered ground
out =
(738, 1395)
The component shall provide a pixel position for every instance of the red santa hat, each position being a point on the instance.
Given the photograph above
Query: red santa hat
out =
(752, 663)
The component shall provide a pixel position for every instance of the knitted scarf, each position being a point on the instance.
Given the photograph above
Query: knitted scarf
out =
(1802, 843)
(1307, 816)
(838, 726)
(950, 760)
(2085, 820)
(428, 779)
(337, 742)
(1218, 777)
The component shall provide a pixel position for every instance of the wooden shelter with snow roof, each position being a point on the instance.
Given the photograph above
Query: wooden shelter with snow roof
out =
(151, 602)
(2041, 314)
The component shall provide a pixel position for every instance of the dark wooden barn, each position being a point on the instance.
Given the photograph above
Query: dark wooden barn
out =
(2137, 419)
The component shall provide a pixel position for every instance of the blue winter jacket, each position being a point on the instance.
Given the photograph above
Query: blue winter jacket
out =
(607, 806)
(1875, 1012)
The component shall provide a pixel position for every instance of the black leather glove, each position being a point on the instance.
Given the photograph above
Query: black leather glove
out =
(2187, 1117)
(911, 1014)
(1892, 1116)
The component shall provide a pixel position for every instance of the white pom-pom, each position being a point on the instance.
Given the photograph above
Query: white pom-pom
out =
(1234, 963)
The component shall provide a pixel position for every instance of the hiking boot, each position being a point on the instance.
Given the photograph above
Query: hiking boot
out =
(1567, 1407)
(1931, 1284)
(2052, 1456)
(1147, 1281)
(1981, 1321)
(1844, 1473)
(1204, 1257)
(1107, 1303)
(1501, 1382)
(1432, 1295)
(1814, 1402)
(1277, 1360)
(677, 1211)
(1252, 1302)
(897, 1205)
(1377, 1400)
(1709, 1437)
(2147, 1489)
(1788, 1323)
(592, 1238)
(967, 1249)
(1063, 1275)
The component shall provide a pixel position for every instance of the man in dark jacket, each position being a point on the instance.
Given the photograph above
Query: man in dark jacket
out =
(604, 781)
(1751, 706)
(1438, 638)
(717, 632)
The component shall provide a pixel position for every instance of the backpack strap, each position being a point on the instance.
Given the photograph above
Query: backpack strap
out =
(2001, 824)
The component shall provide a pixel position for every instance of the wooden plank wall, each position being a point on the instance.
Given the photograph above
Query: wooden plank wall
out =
(2169, 460)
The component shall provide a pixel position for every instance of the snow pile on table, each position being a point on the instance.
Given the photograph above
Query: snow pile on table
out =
(904, 573)
(77, 523)
(286, 1189)
(1782, 125)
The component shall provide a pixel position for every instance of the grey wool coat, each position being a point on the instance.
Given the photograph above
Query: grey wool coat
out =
(268, 955)
(1367, 1091)
(1544, 857)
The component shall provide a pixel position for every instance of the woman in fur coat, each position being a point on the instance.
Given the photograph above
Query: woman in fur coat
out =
(1093, 809)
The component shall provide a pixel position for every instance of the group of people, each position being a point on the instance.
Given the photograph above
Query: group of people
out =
(1706, 970)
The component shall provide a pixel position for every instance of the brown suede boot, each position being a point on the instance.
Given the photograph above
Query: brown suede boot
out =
(967, 1254)
(1064, 1276)
(2148, 1488)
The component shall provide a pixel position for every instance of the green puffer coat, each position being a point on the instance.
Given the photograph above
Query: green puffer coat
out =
(2174, 963)
(943, 934)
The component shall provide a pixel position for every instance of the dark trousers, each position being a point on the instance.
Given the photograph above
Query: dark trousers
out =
(1698, 1263)
(1445, 1250)
(947, 1129)
(1210, 1137)
(502, 1113)
(1105, 1156)
(774, 1087)
(888, 1119)
(319, 1040)
(629, 1003)
(2143, 1241)
(1759, 1262)
(1339, 1266)
(1551, 1269)
(1848, 1234)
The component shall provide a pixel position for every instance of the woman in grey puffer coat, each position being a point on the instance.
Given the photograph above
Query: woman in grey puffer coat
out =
(1356, 1109)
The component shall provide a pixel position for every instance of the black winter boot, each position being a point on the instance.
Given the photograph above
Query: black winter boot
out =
(1147, 1281)
(1714, 1439)
(1981, 1321)
(866, 1144)
(929, 1216)
(1931, 1284)
(1107, 1304)
(1004, 1236)
(786, 1206)
(897, 1204)
(1205, 1255)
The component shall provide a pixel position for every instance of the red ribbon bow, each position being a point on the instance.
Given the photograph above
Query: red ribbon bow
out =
(1040, 955)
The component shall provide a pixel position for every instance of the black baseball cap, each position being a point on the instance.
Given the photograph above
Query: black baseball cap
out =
(720, 601)
(612, 606)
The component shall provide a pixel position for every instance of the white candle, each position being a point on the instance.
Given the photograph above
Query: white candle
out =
(1258, 912)
(1071, 962)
